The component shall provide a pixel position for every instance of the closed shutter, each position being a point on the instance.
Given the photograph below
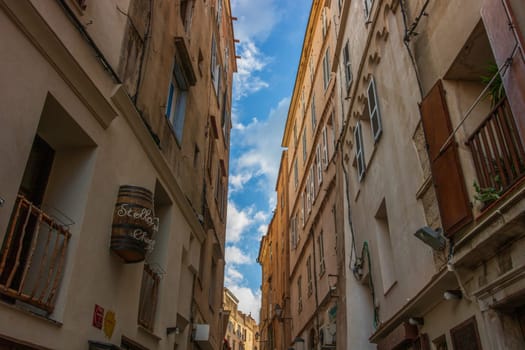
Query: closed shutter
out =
(447, 174)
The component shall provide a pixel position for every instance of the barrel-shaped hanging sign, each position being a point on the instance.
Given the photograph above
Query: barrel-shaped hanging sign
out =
(134, 224)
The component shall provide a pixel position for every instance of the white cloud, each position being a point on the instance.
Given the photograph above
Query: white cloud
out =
(255, 19)
(235, 256)
(262, 140)
(262, 230)
(249, 301)
(237, 181)
(238, 221)
(232, 276)
(246, 81)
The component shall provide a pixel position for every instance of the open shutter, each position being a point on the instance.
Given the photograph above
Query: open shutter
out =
(447, 174)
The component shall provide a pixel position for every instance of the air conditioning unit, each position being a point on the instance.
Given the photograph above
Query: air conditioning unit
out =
(327, 335)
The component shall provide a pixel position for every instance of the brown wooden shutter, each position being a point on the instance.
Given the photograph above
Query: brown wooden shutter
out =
(447, 174)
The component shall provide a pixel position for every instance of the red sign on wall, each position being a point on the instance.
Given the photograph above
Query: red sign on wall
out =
(98, 316)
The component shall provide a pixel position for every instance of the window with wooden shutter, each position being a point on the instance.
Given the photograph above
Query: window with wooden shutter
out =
(325, 147)
(447, 174)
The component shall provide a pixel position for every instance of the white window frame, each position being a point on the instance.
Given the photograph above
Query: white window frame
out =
(373, 110)
(359, 151)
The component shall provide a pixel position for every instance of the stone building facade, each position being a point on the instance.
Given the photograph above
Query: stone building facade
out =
(422, 194)
(115, 123)
(242, 330)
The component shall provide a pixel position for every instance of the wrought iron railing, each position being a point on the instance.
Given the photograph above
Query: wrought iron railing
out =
(497, 150)
(33, 256)
(149, 293)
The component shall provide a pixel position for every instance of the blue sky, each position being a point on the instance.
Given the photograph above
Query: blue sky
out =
(271, 34)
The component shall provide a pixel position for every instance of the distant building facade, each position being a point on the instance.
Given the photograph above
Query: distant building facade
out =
(242, 329)
(115, 144)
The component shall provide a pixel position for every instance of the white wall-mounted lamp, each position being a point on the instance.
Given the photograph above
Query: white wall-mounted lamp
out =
(452, 295)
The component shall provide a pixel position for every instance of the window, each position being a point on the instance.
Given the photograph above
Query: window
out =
(319, 164)
(82, 4)
(312, 186)
(340, 5)
(307, 194)
(295, 133)
(325, 148)
(347, 65)
(186, 13)
(368, 8)
(326, 68)
(359, 152)
(324, 21)
(299, 295)
(304, 145)
(176, 105)
(213, 284)
(384, 246)
(311, 69)
(293, 232)
(303, 102)
(219, 13)
(148, 297)
(309, 274)
(465, 336)
(303, 209)
(314, 119)
(373, 110)
(215, 66)
(295, 174)
(219, 190)
(320, 244)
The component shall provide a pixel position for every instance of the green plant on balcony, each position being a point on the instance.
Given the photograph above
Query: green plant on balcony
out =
(487, 195)
(496, 91)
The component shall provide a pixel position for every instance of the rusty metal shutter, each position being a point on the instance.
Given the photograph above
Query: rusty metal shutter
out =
(447, 174)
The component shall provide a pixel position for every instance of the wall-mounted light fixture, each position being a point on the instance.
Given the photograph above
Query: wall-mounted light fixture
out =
(416, 321)
(452, 294)
(431, 237)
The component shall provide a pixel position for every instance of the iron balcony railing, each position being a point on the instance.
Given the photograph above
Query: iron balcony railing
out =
(149, 293)
(497, 150)
(33, 256)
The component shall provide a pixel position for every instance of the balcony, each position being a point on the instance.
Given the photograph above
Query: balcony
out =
(33, 257)
(149, 293)
(498, 153)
